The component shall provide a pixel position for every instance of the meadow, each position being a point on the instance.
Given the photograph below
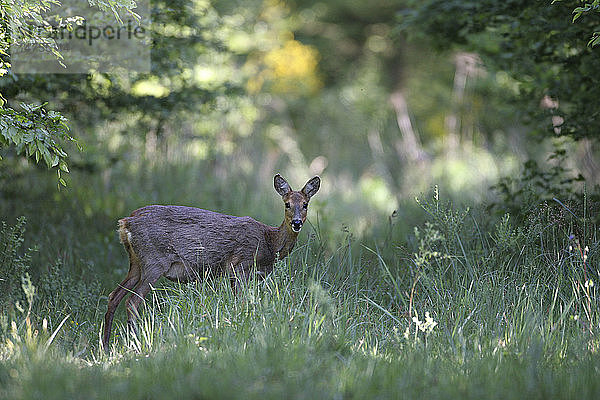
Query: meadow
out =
(451, 303)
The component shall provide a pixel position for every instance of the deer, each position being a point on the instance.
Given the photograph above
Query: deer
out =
(184, 244)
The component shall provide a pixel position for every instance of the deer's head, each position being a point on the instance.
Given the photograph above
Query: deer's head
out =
(296, 202)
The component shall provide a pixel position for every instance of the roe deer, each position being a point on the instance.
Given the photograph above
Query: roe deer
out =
(184, 243)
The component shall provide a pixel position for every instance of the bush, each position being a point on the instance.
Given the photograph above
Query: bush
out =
(14, 262)
(557, 186)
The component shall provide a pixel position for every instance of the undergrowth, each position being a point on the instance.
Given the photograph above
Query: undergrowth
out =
(465, 307)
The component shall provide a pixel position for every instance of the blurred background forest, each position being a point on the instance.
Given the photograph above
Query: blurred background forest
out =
(493, 102)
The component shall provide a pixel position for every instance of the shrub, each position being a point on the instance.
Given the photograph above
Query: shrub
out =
(14, 262)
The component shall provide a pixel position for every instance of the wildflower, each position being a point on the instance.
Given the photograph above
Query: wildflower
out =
(429, 322)
(589, 283)
(500, 345)
(427, 325)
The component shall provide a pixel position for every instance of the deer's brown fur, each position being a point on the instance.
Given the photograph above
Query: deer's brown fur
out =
(186, 243)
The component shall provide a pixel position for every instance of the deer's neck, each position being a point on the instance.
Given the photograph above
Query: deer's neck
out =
(282, 240)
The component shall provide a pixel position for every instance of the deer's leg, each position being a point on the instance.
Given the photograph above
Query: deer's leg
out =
(133, 302)
(116, 296)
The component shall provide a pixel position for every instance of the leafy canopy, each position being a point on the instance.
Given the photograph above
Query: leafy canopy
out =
(33, 131)
(543, 46)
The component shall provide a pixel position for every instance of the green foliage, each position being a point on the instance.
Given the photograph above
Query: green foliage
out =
(587, 9)
(15, 264)
(536, 44)
(36, 133)
(193, 92)
(54, 294)
(62, 294)
(16, 19)
(554, 186)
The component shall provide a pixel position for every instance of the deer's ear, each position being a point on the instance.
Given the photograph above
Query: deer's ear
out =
(281, 185)
(312, 187)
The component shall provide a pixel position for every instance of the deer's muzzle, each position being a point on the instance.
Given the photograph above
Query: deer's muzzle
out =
(296, 225)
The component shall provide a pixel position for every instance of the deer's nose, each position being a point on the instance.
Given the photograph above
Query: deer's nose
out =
(296, 225)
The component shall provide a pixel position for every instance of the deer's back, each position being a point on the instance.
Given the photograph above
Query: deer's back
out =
(197, 238)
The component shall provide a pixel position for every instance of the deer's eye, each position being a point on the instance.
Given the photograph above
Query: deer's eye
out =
(305, 206)
(287, 205)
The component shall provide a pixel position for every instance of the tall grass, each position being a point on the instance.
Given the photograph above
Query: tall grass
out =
(463, 307)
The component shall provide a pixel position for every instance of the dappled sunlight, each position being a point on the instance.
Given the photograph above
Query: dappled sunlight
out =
(199, 149)
(470, 171)
(374, 191)
(150, 87)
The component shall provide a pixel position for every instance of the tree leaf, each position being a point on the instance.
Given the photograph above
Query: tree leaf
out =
(63, 166)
